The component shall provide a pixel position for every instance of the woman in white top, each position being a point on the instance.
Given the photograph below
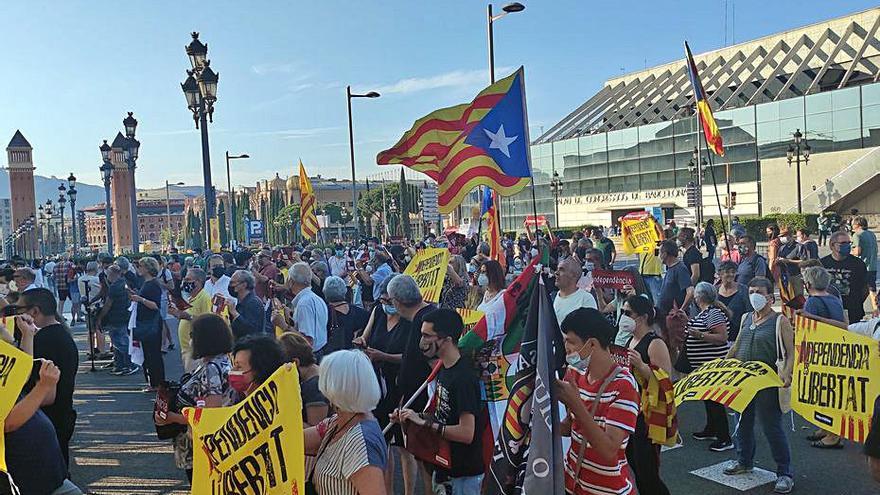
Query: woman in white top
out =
(491, 281)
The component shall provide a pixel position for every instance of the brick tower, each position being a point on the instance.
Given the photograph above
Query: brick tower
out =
(21, 187)
(120, 196)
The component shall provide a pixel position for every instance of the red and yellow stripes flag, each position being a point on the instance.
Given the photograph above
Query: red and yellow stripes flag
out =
(710, 128)
(307, 218)
(493, 226)
(484, 142)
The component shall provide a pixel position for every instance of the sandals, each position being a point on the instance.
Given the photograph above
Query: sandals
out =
(827, 446)
(815, 437)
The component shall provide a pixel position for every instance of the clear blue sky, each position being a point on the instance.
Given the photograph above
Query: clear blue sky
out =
(72, 69)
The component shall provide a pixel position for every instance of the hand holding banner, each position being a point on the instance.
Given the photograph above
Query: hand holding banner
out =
(640, 232)
(730, 382)
(428, 268)
(15, 368)
(255, 446)
(613, 279)
(836, 378)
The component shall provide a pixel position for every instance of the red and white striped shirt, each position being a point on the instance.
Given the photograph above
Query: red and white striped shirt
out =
(618, 407)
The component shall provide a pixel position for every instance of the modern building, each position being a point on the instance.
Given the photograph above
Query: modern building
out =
(629, 146)
(5, 217)
(19, 154)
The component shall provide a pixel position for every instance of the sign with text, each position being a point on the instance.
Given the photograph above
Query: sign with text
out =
(641, 233)
(215, 234)
(15, 368)
(255, 446)
(532, 221)
(730, 382)
(255, 231)
(836, 378)
(613, 279)
(428, 268)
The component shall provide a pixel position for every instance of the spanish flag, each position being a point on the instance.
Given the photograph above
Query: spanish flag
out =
(710, 128)
(484, 142)
(308, 220)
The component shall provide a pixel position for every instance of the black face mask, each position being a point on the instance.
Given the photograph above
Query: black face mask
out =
(188, 286)
(218, 271)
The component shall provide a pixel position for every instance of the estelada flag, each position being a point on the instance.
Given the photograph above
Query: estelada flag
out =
(307, 218)
(489, 209)
(710, 128)
(484, 142)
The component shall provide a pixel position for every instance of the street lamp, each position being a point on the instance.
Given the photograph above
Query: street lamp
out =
(130, 155)
(71, 193)
(801, 147)
(49, 216)
(61, 202)
(510, 8)
(231, 198)
(556, 186)
(106, 174)
(698, 173)
(168, 211)
(354, 203)
(200, 90)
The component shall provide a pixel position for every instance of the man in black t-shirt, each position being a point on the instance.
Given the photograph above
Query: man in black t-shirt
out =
(455, 411)
(414, 368)
(52, 341)
(872, 443)
(692, 255)
(849, 275)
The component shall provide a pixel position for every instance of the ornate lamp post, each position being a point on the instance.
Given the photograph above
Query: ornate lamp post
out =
(556, 187)
(49, 216)
(794, 153)
(130, 156)
(71, 193)
(200, 90)
(62, 200)
(106, 175)
(698, 173)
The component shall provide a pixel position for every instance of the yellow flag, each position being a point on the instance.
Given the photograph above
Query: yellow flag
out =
(308, 220)
(15, 368)
(255, 446)
(428, 268)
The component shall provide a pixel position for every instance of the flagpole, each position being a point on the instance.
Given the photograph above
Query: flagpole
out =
(417, 393)
(717, 195)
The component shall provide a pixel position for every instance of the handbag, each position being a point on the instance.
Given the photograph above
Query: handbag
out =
(683, 362)
(310, 485)
(784, 392)
(426, 444)
(166, 401)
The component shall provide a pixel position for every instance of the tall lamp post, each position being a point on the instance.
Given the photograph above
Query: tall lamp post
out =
(62, 200)
(354, 205)
(71, 193)
(800, 147)
(130, 156)
(41, 219)
(229, 158)
(200, 89)
(698, 172)
(49, 215)
(556, 187)
(106, 175)
(168, 210)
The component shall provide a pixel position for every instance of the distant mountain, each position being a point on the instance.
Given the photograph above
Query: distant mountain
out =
(86, 194)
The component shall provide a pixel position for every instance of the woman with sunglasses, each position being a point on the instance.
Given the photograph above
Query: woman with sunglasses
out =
(646, 350)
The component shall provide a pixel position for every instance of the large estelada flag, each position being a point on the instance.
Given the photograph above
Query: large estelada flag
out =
(484, 142)
(308, 221)
(710, 128)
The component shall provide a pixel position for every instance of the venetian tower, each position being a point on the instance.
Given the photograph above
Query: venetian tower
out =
(21, 188)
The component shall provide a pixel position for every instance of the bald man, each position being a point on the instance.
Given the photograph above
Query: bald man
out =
(570, 297)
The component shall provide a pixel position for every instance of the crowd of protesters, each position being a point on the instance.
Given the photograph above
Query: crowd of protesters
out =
(364, 341)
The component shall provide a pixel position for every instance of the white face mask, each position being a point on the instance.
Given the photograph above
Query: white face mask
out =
(758, 301)
(483, 280)
(626, 324)
(576, 361)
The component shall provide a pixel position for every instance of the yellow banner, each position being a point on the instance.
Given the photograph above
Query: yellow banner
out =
(428, 267)
(730, 382)
(640, 233)
(255, 446)
(836, 378)
(15, 369)
(215, 234)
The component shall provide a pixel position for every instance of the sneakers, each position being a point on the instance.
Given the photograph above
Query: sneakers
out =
(130, 371)
(704, 435)
(108, 366)
(721, 445)
(736, 468)
(784, 484)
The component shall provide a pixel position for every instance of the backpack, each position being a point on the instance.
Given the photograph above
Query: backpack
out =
(707, 270)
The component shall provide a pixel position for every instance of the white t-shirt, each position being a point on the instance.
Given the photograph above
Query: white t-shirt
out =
(563, 305)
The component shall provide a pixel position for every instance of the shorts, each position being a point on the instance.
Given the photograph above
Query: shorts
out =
(872, 280)
(62, 295)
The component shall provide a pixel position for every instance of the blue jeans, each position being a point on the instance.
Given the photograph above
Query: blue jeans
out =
(469, 485)
(119, 338)
(653, 283)
(765, 406)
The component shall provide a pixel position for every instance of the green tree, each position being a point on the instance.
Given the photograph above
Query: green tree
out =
(285, 220)
(165, 237)
(221, 219)
(370, 205)
(404, 206)
(337, 214)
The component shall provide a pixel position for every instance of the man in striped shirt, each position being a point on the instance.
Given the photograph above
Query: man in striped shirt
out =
(602, 403)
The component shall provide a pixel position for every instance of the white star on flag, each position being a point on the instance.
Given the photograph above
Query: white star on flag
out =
(500, 141)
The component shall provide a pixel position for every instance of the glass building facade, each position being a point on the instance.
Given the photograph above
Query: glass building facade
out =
(656, 156)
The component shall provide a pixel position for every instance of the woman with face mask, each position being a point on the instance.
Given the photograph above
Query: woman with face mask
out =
(646, 350)
(707, 340)
(384, 341)
(760, 336)
(491, 282)
(207, 386)
(254, 359)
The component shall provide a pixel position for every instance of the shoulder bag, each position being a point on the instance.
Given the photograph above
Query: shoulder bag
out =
(593, 408)
(784, 392)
